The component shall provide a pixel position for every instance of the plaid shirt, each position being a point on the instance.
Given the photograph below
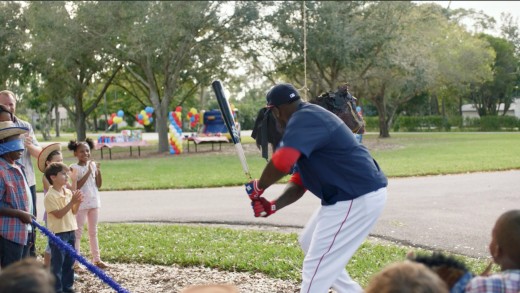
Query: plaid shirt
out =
(504, 282)
(13, 194)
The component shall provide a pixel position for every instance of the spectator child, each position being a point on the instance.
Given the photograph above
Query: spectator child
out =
(16, 203)
(505, 250)
(406, 277)
(89, 181)
(26, 276)
(51, 154)
(61, 204)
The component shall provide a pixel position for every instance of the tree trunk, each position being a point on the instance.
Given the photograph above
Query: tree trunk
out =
(81, 129)
(379, 101)
(95, 123)
(161, 117)
(57, 122)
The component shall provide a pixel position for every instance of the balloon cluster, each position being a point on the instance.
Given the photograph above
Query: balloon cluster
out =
(194, 117)
(116, 117)
(175, 131)
(145, 116)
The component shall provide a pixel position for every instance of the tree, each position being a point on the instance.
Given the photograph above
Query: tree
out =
(387, 51)
(64, 51)
(487, 96)
(171, 49)
(12, 25)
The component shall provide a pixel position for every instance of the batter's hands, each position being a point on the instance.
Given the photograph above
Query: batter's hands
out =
(253, 190)
(263, 208)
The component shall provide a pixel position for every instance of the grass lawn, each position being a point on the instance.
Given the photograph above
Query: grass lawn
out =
(275, 254)
(404, 154)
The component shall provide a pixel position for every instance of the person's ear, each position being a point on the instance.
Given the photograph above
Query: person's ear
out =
(276, 112)
(496, 252)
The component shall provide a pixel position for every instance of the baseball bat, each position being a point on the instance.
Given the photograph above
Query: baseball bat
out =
(225, 109)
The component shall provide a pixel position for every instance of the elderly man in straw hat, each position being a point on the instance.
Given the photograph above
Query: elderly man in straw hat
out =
(16, 203)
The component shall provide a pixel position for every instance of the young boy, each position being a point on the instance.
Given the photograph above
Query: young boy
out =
(25, 276)
(505, 250)
(61, 205)
(15, 197)
(406, 276)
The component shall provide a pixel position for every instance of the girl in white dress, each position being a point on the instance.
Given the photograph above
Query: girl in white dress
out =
(89, 181)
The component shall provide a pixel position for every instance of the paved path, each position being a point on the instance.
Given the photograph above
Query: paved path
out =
(453, 212)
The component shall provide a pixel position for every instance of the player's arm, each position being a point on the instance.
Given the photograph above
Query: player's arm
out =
(279, 166)
(292, 192)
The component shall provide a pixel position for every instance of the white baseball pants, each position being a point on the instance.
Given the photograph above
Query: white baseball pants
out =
(330, 239)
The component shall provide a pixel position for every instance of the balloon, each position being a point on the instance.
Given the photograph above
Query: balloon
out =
(147, 122)
(148, 114)
(151, 119)
(113, 115)
(110, 121)
(148, 110)
(140, 117)
(178, 109)
(120, 113)
(140, 121)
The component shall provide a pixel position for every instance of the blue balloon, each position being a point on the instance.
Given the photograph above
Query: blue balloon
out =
(120, 113)
(150, 119)
(140, 116)
(148, 110)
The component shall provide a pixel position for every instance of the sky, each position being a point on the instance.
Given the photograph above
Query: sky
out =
(491, 8)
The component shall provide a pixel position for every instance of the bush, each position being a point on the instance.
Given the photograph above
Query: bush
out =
(438, 123)
(372, 123)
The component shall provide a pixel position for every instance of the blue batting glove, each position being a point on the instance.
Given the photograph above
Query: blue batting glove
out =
(253, 190)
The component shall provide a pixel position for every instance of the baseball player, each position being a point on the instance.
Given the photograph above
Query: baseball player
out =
(327, 160)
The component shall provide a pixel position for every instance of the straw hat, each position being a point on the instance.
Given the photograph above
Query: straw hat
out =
(42, 157)
(8, 128)
(210, 289)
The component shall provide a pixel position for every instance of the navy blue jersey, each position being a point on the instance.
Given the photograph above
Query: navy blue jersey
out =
(332, 165)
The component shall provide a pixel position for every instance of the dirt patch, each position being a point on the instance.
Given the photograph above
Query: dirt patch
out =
(141, 278)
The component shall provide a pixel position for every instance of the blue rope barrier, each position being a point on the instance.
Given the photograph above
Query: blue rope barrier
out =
(70, 250)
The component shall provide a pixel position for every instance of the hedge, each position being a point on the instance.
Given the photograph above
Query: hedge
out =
(438, 123)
